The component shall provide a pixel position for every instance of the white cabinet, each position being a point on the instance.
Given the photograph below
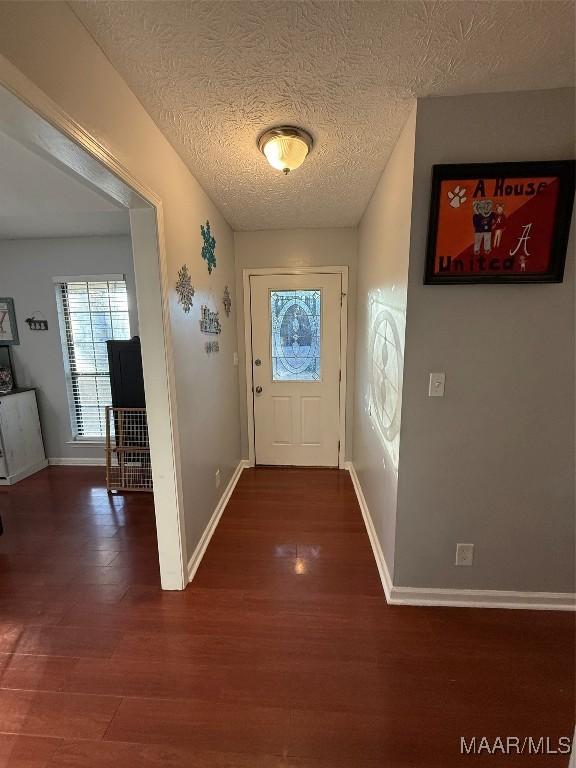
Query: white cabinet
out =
(21, 446)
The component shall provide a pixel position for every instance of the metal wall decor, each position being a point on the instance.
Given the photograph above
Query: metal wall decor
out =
(184, 288)
(37, 323)
(209, 321)
(212, 346)
(227, 301)
(209, 247)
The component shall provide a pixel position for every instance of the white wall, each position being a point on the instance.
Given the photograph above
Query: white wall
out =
(26, 271)
(493, 461)
(383, 252)
(41, 40)
(297, 248)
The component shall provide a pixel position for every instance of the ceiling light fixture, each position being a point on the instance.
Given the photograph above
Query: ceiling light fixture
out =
(285, 147)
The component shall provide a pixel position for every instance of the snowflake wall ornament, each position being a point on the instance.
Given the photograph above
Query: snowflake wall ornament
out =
(184, 288)
(227, 301)
(209, 247)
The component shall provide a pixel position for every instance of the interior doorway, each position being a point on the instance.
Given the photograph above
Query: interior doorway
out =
(37, 124)
(295, 365)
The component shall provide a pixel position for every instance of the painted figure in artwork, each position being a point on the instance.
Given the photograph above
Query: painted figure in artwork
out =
(483, 222)
(499, 224)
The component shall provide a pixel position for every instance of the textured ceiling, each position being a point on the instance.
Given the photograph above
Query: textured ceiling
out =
(214, 75)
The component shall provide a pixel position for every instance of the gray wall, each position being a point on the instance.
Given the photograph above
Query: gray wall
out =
(493, 462)
(383, 251)
(206, 384)
(26, 271)
(297, 248)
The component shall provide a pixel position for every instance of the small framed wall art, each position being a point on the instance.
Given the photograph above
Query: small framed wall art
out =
(499, 222)
(8, 327)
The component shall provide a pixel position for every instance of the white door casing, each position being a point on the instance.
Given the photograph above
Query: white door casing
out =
(32, 117)
(296, 368)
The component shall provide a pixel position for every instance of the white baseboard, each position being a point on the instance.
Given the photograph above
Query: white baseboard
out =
(23, 473)
(376, 548)
(198, 553)
(457, 598)
(484, 598)
(78, 462)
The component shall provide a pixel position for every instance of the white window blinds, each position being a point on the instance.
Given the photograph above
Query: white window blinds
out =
(91, 312)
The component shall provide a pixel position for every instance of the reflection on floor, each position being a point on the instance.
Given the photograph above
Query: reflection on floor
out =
(283, 653)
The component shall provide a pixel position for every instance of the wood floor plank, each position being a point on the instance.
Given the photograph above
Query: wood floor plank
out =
(107, 754)
(206, 726)
(26, 751)
(62, 715)
(35, 673)
(60, 641)
(254, 684)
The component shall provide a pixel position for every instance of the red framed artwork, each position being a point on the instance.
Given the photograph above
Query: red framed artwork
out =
(499, 222)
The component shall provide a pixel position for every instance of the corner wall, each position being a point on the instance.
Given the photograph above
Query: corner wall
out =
(491, 463)
(383, 251)
(26, 271)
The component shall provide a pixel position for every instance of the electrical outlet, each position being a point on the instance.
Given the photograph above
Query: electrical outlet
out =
(464, 554)
(217, 478)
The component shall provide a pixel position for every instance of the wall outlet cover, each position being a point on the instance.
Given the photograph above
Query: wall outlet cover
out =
(464, 554)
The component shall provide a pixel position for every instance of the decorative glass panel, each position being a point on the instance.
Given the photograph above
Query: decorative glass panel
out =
(295, 317)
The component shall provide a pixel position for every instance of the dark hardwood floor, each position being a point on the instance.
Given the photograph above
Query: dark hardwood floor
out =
(281, 654)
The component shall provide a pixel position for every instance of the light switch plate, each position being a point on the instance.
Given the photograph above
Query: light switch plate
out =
(436, 385)
(235, 358)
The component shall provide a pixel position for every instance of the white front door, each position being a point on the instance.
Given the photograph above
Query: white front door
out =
(296, 368)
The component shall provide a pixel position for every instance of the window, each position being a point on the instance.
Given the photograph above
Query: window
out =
(91, 311)
(295, 319)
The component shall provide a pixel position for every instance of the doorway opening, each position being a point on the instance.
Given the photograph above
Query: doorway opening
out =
(33, 123)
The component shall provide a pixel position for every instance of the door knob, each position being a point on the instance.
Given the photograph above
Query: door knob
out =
(258, 390)
(257, 361)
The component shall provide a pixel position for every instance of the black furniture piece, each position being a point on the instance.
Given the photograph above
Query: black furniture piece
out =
(126, 377)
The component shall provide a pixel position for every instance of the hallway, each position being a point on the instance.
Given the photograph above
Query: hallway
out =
(281, 654)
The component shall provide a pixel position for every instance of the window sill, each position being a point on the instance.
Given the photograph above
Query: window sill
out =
(95, 442)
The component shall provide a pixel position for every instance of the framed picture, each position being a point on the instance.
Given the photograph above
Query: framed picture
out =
(499, 222)
(8, 327)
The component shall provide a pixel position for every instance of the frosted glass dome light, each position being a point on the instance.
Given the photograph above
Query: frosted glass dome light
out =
(285, 147)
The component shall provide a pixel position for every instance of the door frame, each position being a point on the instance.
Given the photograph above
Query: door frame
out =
(246, 275)
(44, 127)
